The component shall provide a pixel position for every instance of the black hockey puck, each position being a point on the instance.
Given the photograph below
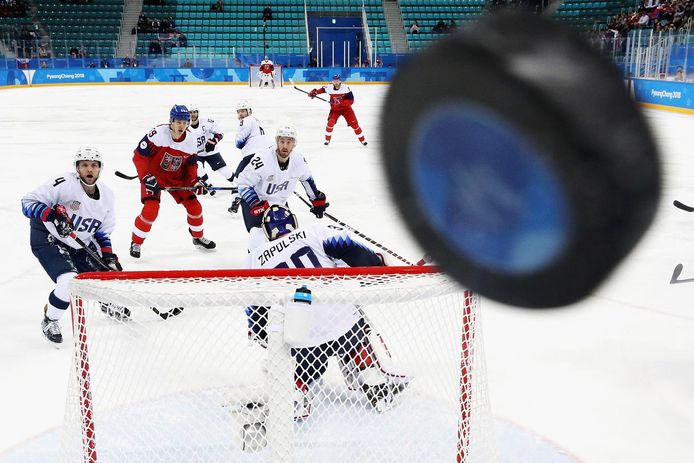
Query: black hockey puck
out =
(519, 161)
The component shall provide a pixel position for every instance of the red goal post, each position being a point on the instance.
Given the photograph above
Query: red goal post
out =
(254, 77)
(175, 384)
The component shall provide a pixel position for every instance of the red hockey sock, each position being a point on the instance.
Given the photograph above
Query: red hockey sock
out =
(194, 210)
(144, 221)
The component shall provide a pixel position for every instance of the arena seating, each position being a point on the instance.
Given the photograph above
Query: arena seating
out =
(94, 24)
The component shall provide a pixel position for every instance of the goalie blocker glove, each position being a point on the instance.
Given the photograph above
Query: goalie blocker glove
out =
(58, 217)
(151, 185)
(111, 260)
(259, 208)
(319, 205)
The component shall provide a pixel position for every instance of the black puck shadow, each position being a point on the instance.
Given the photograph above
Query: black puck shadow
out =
(518, 160)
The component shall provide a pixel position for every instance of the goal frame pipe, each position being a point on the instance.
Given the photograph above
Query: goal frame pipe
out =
(258, 273)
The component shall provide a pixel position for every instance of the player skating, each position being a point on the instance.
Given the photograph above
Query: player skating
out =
(166, 157)
(337, 330)
(341, 100)
(207, 134)
(266, 73)
(270, 177)
(72, 204)
(250, 138)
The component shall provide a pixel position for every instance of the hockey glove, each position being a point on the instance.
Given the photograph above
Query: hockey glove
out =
(111, 260)
(313, 93)
(319, 205)
(58, 217)
(211, 144)
(259, 207)
(201, 187)
(151, 186)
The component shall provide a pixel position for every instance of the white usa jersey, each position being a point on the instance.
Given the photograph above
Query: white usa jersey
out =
(93, 220)
(309, 247)
(250, 137)
(206, 129)
(263, 179)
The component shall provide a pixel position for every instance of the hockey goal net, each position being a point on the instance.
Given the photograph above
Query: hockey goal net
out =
(188, 376)
(254, 76)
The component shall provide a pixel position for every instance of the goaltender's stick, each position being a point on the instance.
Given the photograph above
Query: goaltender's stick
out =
(360, 234)
(304, 91)
(233, 189)
(682, 206)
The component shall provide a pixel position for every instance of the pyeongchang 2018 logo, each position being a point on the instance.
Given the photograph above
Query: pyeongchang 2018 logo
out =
(170, 162)
(664, 94)
(63, 76)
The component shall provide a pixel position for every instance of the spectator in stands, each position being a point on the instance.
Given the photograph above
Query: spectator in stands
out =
(182, 40)
(44, 64)
(414, 28)
(187, 64)
(267, 13)
(43, 52)
(679, 74)
(126, 62)
(154, 47)
(452, 26)
(218, 7)
(82, 52)
(379, 63)
(73, 52)
(439, 27)
(105, 64)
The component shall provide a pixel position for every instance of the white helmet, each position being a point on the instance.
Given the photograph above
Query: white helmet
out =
(88, 153)
(243, 104)
(286, 130)
(192, 107)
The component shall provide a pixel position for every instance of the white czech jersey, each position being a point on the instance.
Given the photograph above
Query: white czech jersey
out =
(91, 218)
(306, 248)
(250, 137)
(206, 129)
(263, 177)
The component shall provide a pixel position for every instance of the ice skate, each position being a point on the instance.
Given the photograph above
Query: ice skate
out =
(135, 250)
(235, 206)
(51, 331)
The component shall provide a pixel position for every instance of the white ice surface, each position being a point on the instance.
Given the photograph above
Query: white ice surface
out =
(608, 380)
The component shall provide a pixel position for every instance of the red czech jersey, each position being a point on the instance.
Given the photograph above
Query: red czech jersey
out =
(173, 163)
(267, 68)
(340, 99)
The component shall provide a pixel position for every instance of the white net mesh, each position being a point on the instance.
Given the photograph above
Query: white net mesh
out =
(254, 76)
(201, 371)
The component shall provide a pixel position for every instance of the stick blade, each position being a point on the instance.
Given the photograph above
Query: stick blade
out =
(682, 206)
(676, 274)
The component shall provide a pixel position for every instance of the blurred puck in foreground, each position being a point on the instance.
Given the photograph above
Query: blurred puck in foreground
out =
(518, 160)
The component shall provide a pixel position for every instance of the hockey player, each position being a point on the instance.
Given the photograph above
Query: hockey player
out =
(341, 100)
(339, 330)
(269, 177)
(73, 204)
(250, 138)
(208, 134)
(266, 73)
(166, 157)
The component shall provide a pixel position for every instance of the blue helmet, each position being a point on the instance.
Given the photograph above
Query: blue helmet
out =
(278, 221)
(337, 77)
(180, 113)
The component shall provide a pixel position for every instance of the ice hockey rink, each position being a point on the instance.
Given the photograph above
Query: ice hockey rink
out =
(610, 379)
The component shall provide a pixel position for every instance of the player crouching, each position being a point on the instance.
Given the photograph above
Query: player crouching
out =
(337, 330)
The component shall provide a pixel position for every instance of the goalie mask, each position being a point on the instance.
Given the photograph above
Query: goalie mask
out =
(278, 221)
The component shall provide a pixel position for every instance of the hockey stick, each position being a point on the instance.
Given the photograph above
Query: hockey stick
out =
(304, 91)
(358, 233)
(164, 315)
(126, 177)
(676, 274)
(683, 206)
(233, 189)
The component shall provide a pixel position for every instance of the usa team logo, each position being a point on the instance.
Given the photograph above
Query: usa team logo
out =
(75, 206)
(171, 163)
